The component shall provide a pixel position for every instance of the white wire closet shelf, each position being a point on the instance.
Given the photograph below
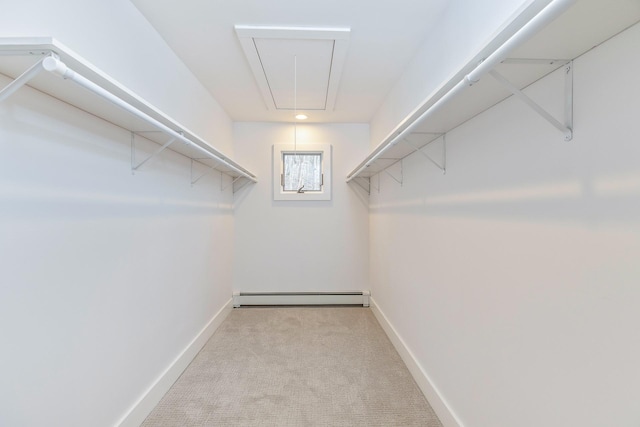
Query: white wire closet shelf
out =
(47, 65)
(514, 59)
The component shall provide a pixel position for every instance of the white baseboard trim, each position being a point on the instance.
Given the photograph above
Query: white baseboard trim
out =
(438, 403)
(150, 398)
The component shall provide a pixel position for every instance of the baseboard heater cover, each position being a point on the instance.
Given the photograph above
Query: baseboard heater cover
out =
(301, 298)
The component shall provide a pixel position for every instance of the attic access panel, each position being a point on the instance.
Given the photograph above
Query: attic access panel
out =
(320, 55)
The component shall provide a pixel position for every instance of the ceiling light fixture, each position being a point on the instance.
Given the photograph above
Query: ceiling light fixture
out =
(302, 116)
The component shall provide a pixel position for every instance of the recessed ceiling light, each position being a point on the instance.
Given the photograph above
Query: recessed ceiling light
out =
(301, 117)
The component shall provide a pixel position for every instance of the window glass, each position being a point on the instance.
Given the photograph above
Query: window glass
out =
(302, 172)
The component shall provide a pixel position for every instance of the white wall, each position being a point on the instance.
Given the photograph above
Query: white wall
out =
(514, 278)
(307, 245)
(463, 31)
(106, 277)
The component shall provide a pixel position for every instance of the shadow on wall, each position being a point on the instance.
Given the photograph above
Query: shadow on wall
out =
(509, 163)
(360, 193)
(68, 205)
(87, 165)
(520, 169)
(614, 198)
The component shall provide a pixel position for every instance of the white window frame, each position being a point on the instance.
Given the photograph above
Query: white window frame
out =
(278, 191)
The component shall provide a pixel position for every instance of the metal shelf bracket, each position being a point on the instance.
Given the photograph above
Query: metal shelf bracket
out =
(364, 183)
(232, 183)
(567, 127)
(208, 171)
(443, 162)
(241, 186)
(398, 180)
(134, 166)
(22, 79)
(378, 187)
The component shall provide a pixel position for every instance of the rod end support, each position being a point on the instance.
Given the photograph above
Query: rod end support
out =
(57, 67)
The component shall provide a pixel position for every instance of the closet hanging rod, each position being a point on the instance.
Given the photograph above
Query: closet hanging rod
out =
(544, 17)
(59, 68)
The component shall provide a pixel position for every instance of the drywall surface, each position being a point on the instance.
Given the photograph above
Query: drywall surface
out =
(462, 32)
(298, 246)
(106, 277)
(513, 278)
(115, 37)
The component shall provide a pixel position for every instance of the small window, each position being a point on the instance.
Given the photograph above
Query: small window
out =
(302, 174)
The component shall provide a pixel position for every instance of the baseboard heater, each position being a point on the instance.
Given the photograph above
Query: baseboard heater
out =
(361, 298)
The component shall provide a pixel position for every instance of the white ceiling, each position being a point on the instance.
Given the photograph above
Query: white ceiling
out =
(384, 37)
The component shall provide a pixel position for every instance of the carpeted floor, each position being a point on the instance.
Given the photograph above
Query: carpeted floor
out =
(296, 366)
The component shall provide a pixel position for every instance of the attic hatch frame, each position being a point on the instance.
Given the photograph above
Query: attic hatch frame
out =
(500, 55)
(51, 62)
(247, 34)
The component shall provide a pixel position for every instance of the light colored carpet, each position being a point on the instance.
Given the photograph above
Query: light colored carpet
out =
(296, 366)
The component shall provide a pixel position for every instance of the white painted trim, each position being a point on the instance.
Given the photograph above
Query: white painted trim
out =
(150, 398)
(430, 391)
